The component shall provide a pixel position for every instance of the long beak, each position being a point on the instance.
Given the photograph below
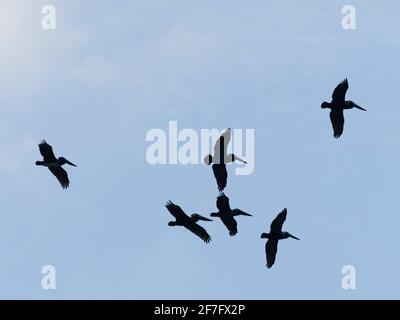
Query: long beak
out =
(196, 217)
(204, 219)
(292, 236)
(358, 107)
(70, 163)
(246, 214)
(238, 212)
(239, 159)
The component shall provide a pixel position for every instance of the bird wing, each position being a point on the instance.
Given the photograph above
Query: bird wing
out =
(46, 151)
(339, 93)
(196, 217)
(221, 175)
(271, 248)
(61, 175)
(223, 202)
(176, 211)
(337, 120)
(238, 212)
(221, 146)
(199, 231)
(277, 223)
(231, 224)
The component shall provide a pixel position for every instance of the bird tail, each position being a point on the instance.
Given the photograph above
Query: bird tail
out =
(325, 105)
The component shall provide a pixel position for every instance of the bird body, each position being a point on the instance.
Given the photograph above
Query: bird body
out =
(221, 158)
(221, 175)
(337, 105)
(226, 214)
(230, 223)
(275, 234)
(190, 223)
(54, 164)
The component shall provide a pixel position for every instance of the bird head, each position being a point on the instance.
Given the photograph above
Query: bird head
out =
(172, 223)
(63, 161)
(264, 235)
(208, 159)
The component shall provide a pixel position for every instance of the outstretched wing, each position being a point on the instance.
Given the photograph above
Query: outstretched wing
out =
(176, 211)
(223, 202)
(47, 152)
(339, 93)
(221, 146)
(221, 175)
(61, 176)
(277, 223)
(199, 231)
(337, 120)
(271, 248)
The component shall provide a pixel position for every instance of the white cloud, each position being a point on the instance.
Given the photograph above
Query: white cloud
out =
(20, 52)
(183, 43)
(14, 150)
(27, 50)
(28, 54)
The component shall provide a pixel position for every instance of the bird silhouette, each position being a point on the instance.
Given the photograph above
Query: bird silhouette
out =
(276, 234)
(221, 158)
(182, 219)
(226, 214)
(337, 105)
(54, 164)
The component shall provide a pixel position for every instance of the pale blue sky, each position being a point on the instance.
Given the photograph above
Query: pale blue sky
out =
(111, 72)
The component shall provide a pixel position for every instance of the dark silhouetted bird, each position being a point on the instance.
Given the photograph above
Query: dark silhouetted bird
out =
(226, 214)
(221, 158)
(276, 234)
(337, 105)
(182, 219)
(54, 164)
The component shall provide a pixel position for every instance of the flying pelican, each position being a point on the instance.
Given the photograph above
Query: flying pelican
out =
(54, 164)
(337, 105)
(221, 158)
(182, 219)
(226, 214)
(276, 234)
